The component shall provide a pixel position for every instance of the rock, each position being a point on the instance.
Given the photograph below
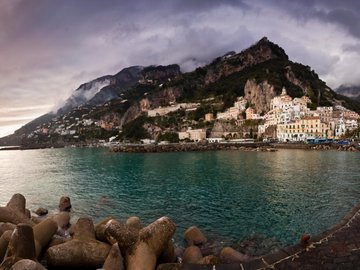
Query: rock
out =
(64, 204)
(83, 251)
(27, 265)
(100, 234)
(114, 260)
(213, 248)
(41, 211)
(134, 222)
(43, 232)
(304, 240)
(14, 211)
(5, 226)
(4, 242)
(170, 266)
(194, 236)
(211, 259)
(142, 248)
(21, 246)
(192, 254)
(230, 255)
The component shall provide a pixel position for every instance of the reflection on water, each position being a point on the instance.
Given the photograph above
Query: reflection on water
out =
(230, 195)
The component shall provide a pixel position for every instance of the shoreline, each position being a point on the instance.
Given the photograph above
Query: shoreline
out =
(195, 147)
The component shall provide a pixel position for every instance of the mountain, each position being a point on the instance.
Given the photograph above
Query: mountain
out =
(351, 91)
(103, 107)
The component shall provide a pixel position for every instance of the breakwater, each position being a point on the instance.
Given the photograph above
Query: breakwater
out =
(190, 147)
(43, 241)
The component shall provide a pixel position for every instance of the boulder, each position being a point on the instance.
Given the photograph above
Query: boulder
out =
(141, 249)
(64, 204)
(82, 251)
(114, 260)
(192, 254)
(230, 255)
(194, 236)
(41, 211)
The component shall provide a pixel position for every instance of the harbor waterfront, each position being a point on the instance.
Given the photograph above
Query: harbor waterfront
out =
(230, 195)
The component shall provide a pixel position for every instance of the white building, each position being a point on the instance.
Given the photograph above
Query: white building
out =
(195, 135)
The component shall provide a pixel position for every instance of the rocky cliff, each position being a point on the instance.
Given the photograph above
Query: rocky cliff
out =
(259, 95)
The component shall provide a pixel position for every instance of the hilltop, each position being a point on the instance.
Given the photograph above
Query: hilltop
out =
(119, 106)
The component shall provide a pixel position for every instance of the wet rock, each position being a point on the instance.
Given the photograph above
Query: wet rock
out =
(213, 248)
(230, 255)
(41, 211)
(114, 260)
(27, 265)
(194, 236)
(192, 254)
(64, 204)
(142, 248)
(83, 251)
(304, 240)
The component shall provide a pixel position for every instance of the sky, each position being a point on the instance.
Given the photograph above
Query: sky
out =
(49, 47)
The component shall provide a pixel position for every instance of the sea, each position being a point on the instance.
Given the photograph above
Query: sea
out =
(229, 195)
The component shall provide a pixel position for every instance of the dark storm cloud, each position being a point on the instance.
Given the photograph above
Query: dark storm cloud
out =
(49, 47)
(345, 14)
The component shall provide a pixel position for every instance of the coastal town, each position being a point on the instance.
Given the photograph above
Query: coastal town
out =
(288, 120)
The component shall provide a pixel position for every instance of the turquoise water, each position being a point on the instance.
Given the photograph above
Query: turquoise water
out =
(229, 195)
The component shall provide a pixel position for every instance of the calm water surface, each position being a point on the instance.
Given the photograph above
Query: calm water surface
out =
(229, 195)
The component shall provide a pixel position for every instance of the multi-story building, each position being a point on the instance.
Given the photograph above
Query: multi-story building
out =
(195, 135)
(303, 129)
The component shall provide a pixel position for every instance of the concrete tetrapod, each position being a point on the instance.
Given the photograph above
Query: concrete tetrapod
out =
(4, 242)
(14, 211)
(27, 264)
(43, 232)
(142, 248)
(114, 260)
(21, 246)
(82, 251)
